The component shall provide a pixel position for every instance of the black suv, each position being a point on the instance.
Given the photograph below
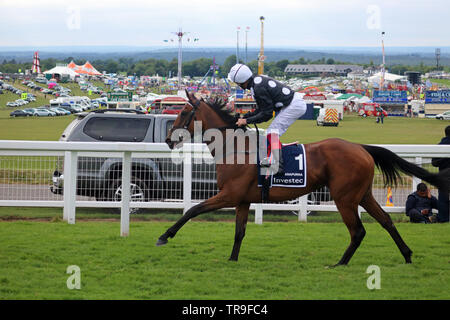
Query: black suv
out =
(151, 178)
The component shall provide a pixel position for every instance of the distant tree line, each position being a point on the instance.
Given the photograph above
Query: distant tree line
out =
(194, 68)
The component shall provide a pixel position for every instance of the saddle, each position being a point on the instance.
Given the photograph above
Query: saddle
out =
(293, 175)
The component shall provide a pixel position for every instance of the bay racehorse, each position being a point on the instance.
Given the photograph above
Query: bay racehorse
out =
(346, 168)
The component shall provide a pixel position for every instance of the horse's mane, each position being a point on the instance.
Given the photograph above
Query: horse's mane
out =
(219, 105)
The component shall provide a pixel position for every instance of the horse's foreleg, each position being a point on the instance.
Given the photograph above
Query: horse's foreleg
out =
(214, 203)
(241, 224)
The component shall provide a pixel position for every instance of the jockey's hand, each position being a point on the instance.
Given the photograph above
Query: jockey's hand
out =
(241, 122)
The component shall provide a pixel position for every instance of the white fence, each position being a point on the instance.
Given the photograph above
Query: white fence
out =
(26, 173)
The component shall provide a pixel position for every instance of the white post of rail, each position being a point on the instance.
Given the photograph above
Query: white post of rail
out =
(125, 199)
(258, 213)
(303, 211)
(70, 185)
(415, 180)
(187, 178)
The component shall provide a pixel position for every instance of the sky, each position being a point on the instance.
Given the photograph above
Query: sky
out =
(287, 24)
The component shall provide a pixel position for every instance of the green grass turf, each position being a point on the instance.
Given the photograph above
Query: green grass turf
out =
(277, 261)
(444, 82)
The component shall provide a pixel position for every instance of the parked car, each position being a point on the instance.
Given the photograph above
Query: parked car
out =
(62, 110)
(41, 80)
(71, 108)
(30, 110)
(371, 109)
(21, 102)
(20, 113)
(82, 107)
(57, 112)
(39, 112)
(443, 116)
(12, 104)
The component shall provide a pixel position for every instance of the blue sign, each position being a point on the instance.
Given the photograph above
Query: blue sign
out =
(441, 96)
(390, 96)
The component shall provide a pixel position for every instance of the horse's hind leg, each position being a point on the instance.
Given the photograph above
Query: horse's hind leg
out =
(373, 208)
(349, 213)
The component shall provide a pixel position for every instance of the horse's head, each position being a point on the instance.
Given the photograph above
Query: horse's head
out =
(212, 114)
(184, 123)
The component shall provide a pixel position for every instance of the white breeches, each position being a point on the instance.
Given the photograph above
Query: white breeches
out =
(288, 115)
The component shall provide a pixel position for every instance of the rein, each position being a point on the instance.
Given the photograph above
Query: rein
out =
(192, 114)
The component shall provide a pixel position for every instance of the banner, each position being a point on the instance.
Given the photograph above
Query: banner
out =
(390, 96)
(120, 96)
(440, 96)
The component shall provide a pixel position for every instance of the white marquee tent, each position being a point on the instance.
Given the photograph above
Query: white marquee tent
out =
(389, 77)
(63, 71)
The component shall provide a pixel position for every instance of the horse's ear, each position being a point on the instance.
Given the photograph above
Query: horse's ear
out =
(191, 98)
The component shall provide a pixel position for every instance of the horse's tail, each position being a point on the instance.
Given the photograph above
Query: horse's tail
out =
(391, 164)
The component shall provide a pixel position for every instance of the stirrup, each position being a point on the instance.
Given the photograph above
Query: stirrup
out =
(268, 164)
(265, 163)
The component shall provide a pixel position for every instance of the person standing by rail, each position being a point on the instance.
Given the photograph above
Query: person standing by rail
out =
(443, 196)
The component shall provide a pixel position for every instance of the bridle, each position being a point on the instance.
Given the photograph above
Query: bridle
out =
(191, 116)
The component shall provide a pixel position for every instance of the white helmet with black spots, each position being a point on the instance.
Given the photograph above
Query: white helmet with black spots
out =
(239, 73)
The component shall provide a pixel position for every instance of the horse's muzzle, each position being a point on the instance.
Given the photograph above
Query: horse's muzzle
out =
(170, 143)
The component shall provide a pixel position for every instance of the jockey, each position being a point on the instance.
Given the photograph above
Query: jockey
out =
(270, 95)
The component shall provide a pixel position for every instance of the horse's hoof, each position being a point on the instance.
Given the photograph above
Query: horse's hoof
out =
(161, 242)
(334, 266)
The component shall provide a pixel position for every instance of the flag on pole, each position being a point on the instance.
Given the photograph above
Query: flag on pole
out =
(383, 70)
(389, 201)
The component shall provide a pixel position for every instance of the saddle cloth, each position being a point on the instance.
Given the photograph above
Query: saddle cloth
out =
(294, 163)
